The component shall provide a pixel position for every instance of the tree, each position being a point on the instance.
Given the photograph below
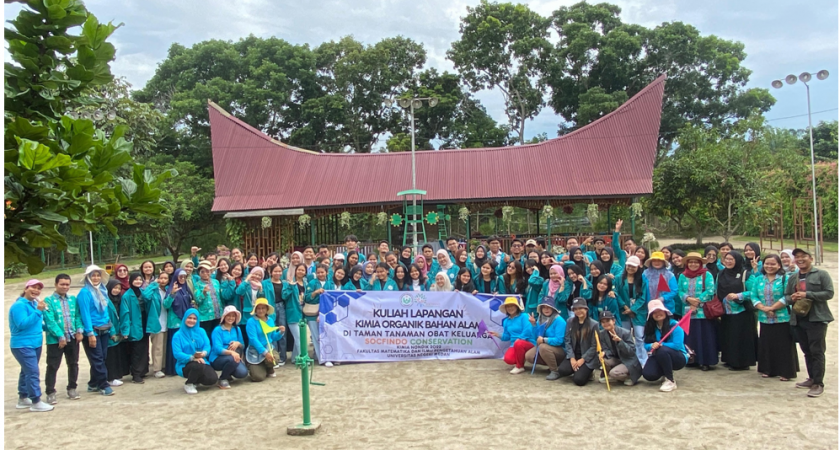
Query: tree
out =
(189, 202)
(504, 46)
(598, 56)
(59, 170)
(825, 141)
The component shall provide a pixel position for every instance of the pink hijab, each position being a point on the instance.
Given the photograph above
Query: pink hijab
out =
(553, 286)
(257, 285)
(421, 260)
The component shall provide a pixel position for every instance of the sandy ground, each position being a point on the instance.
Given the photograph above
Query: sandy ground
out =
(429, 404)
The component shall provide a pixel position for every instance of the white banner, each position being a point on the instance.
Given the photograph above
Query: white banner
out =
(401, 326)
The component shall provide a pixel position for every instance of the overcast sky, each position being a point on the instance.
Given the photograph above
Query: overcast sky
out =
(781, 37)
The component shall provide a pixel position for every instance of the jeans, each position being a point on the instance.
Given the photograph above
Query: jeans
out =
(662, 363)
(294, 328)
(29, 382)
(96, 357)
(71, 356)
(230, 368)
(280, 321)
(811, 337)
(639, 337)
(313, 330)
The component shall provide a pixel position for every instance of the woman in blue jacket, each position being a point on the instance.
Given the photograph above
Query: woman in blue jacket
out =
(25, 318)
(260, 355)
(668, 356)
(190, 345)
(550, 333)
(93, 307)
(518, 331)
(227, 349)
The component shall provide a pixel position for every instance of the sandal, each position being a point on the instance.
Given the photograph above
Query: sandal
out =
(764, 375)
(784, 379)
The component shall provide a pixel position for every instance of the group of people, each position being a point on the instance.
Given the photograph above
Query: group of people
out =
(239, 315)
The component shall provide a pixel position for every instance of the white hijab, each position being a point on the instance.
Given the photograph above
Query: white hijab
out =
(447, 286)
(449, 262)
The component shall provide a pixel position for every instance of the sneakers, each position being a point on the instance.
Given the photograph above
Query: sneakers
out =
(517, 370)
(668, 385)
(815, 391)
(224, 384)
(602, 380)
(93, 389)
(115, 383)
(24, 403)
(72, 394)
(807, 384)
(107, 391)
(328, 364)
(629, 382)
(190, 389)
(41, 407)
(159, 374)
(272, 375)
(553, 376)
(51, 399)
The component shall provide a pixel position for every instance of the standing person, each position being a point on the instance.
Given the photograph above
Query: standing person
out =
(518, 330)
(603, 298)
(227, 349)
(383, 249)
(191, 346)
(752, 259)
(667, 251)
(632, 293)
(810, 286)
(619, 352)
(121, 275)
(289, 272)
(133, 319)
(351, 244)
(382, 282)
(643, 255)
(711, 253)
(178, 299)
(480, 258)
(447, 265)
(157, 321)
(661, 281)
(666, 357)
(576, 285)
(517, 252)
(236, 255)
(581, 352)
(612, 265)
(496, 254)
(697, 286)
(576, 258)
(355, 282)
(738, 337)
(169, 268)
(530, 246)
(260, 355)
(400, 278)
(147, 268)
(555, 289)
(535, 285)
(405, 256)
(353, 260)
(677, 264)
(25, 318)
(725, 248)
(429, 257)
(550, 333)
(788, 261)
(776, 348)
(314, 290)
(93, 307)
(64, 332)
(293, 299)
(116, 361)
(208, 297)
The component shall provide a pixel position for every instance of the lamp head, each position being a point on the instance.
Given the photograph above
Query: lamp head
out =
(404, 102)
(822, 74)
(777, 84)
(388, 102)
(805, 77)
(433, 102)
(417, 103)
(790, 79)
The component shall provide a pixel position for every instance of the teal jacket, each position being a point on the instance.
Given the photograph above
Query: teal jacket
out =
(153, 304)
(54, 318)
(207, 309)
(619, 252)
(187, 341)
(757, 295)
(533, 298)
(554, 334)
(131, 319)
(501, 265)
(114, 315)
(518, 327)
(495, 284)
(291, 297)
(560, 298)
(349, 286)
(376, 285)
(608, 304)
(230, 297)
(637, 304)
(244, 292)
(694, 288)
(315, 299)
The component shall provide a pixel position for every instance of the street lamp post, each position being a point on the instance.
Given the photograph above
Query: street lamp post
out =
(805, 77)
(412, 103)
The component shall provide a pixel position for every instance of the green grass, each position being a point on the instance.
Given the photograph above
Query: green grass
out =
(830, 246)
(47, 275)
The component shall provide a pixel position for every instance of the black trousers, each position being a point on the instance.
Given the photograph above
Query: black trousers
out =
(811, 337)
(138, 354)
(662, 363)
(71, 356)
(581, 377)
(197, 373)
(209, 325)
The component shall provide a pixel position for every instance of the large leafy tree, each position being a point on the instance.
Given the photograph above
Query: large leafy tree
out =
(599, 62)
(825, 141)
(504, 46)
(59, 170)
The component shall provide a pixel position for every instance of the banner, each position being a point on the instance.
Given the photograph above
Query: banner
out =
(409, 325)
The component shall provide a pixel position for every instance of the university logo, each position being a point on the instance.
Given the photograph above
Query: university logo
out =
(405, 300)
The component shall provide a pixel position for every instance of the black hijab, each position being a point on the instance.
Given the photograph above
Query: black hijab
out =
(581, 263)
(115, 299)
(131, 277)
(731, 281)
(406, 262)
(356, 283)
(576, 286)
(712, 267)
(609, 263)
(480, 261)
(748, 261)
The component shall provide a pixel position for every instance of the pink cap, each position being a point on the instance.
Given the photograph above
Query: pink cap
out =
(33, 282)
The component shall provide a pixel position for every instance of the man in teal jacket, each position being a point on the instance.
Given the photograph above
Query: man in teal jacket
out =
(64, 332)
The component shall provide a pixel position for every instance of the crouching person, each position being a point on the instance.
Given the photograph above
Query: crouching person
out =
(190, 346)
(670, 354)
(518, 331)
(259, 355)
(550, 332)
(581, 351)
(619, 352)
(227, 349)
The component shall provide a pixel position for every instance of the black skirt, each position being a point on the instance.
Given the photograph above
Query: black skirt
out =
(169, 358)
(777, 355)
(739, 339)
(117, 361)
(703, 339)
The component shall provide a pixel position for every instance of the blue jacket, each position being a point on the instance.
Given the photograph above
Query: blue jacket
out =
(349, 286)
(220, 340)
(187, 341)
(675, 341)
(91, 316)
(560, 298)
(518, 327)
(257, 338)
(670, 298)
(555, 334)
(25, 324)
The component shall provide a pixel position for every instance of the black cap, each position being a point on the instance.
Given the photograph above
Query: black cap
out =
(801, 250)
(579, 303)
(599, 239)
(606, 315)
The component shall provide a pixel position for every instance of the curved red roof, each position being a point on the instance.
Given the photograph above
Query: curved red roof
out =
(256, 172)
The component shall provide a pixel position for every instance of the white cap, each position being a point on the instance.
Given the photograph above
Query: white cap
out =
(633, 261)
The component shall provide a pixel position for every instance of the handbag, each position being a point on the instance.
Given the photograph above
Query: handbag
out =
(311, 309)
(714, 307)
